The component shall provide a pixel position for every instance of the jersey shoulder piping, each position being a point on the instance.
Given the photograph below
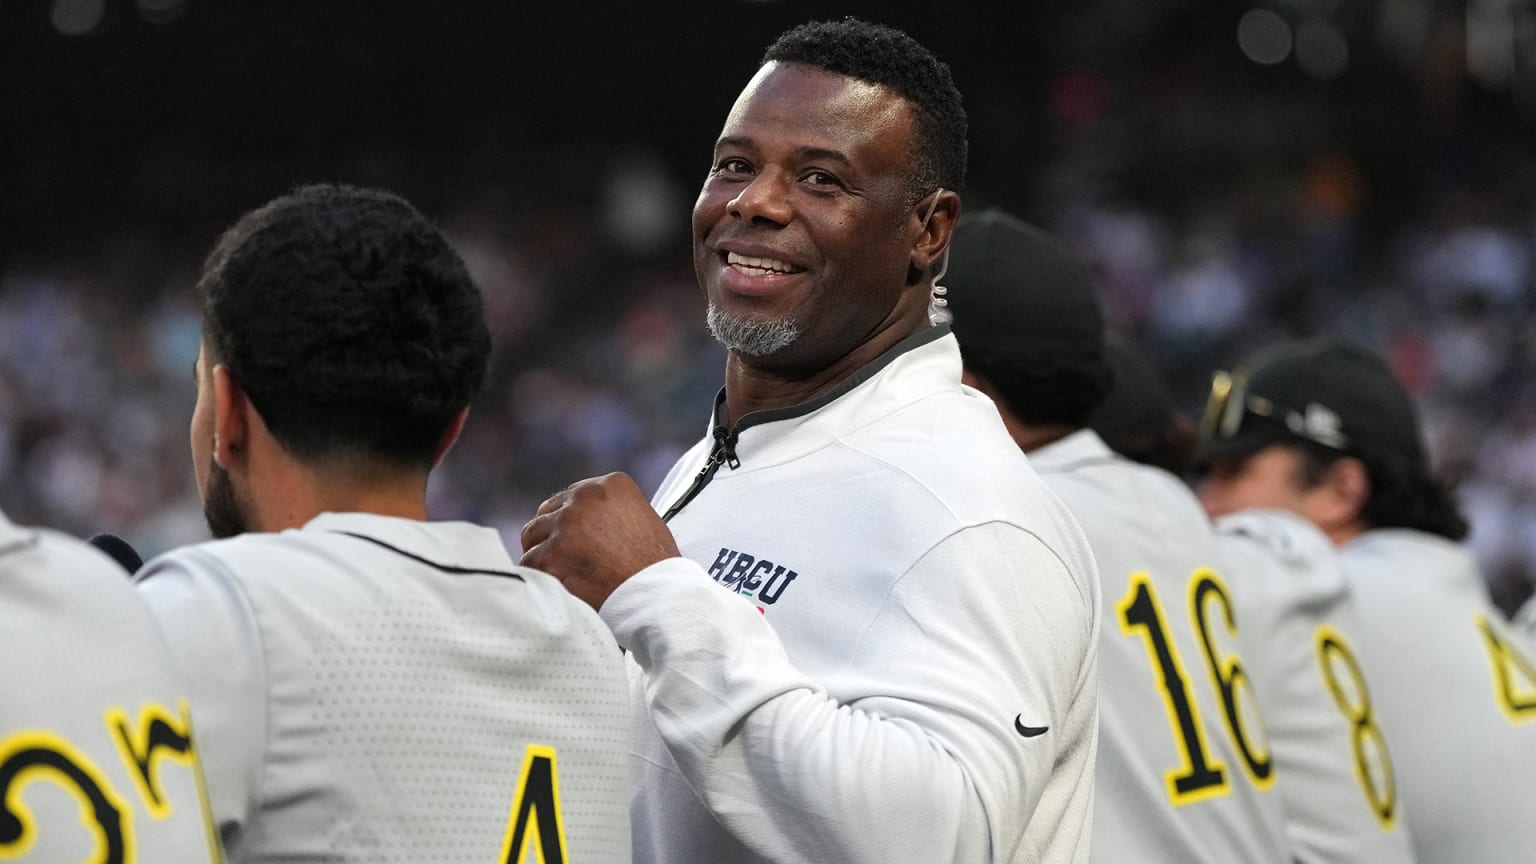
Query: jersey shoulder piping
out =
(446, 568)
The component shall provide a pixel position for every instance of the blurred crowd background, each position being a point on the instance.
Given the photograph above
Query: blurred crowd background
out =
(1235, 172)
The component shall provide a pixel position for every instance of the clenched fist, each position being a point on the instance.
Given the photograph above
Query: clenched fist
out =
(594, 535)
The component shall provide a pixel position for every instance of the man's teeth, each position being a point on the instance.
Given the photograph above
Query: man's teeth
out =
(766, 265)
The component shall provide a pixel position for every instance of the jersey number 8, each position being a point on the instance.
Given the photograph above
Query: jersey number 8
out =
(1373, 765)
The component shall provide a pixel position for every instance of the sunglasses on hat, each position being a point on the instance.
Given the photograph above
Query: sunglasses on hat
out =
(1230, 403)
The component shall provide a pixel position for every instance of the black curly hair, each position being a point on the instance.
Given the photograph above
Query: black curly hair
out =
(349, 321)
(890, 58)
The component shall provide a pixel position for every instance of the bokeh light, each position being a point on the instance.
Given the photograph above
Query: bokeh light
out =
(1264, 37)
(77, 17)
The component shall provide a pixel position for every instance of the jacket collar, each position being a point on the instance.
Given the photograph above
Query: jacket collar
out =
(841, 388)
(918, 365)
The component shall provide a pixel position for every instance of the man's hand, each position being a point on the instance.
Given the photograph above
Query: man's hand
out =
(596, 534)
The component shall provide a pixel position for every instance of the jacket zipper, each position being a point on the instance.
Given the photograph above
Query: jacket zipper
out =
(724, 452)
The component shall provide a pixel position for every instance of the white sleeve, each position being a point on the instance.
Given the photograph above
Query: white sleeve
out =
(923, 762)
(206, 620)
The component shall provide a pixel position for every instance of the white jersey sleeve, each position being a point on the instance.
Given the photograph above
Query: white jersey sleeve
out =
(205, 612)
(1332, 750)
(98, 757)
(947, 766)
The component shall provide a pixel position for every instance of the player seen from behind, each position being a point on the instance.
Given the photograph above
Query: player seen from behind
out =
(371, 686)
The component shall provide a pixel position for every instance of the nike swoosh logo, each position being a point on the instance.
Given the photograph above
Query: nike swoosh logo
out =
(1028, 731)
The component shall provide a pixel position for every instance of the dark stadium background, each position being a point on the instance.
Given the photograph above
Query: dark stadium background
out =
(1374, 177)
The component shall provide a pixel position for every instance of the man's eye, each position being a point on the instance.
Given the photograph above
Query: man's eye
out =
(820, 178)
(733, 165)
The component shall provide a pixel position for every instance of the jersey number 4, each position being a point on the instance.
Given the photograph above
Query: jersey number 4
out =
(536, 824)
(1202, 775)
(1514, 675)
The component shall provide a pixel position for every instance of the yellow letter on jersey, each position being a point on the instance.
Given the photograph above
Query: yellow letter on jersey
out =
(34, 754)
(162, 735)
(536, 821)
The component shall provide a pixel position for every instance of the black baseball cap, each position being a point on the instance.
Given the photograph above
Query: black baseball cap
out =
(1011, 286)
(1322, 391)
(1139, 403)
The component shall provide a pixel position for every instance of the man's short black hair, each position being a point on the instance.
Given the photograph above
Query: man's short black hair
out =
(350, 323)
(890, 58)
(1042, 388)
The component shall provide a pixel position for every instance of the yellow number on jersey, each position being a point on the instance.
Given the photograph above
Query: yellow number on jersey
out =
(536, 821)
(1201, 776)
(1231, 679)
(1514, 675)
(1354, 701)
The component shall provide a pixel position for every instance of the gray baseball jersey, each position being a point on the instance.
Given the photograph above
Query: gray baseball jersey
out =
(1184, 771)
(1457, 692)
(1333, 758)
(96, 755)
(380, 689)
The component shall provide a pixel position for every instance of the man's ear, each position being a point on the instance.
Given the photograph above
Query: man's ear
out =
(450, 435)
(1339, 499)
(933, 236)
(231, 419)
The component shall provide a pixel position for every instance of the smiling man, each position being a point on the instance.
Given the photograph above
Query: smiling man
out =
(870, 632)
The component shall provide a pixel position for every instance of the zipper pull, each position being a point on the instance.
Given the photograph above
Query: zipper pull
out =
(727, 446)
(724, 453)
